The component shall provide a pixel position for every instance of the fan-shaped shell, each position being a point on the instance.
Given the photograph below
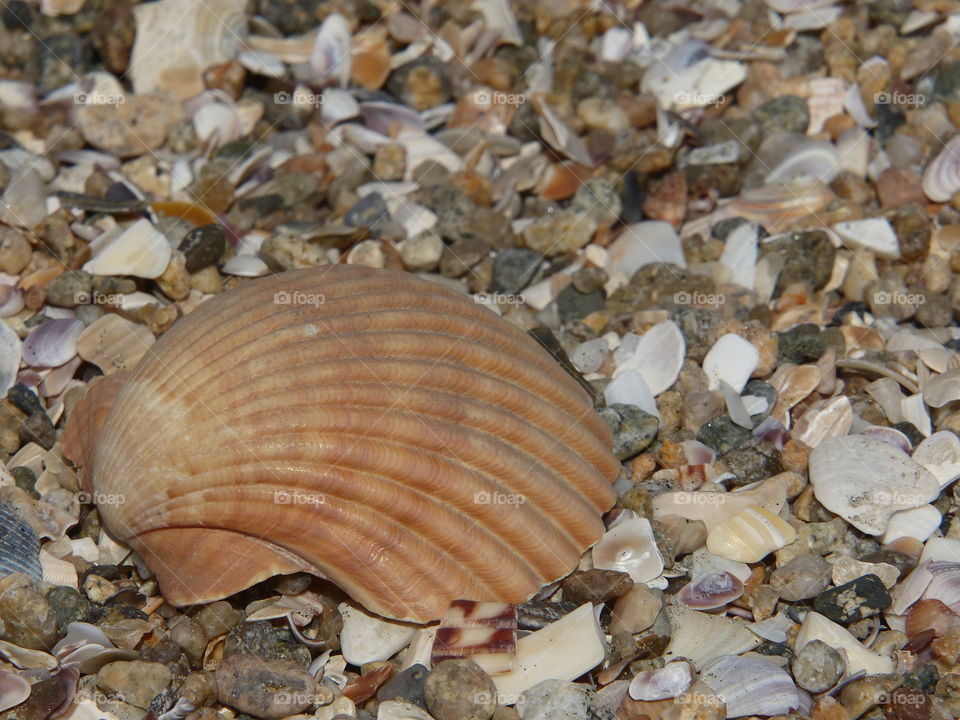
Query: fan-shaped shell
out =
(364, 425)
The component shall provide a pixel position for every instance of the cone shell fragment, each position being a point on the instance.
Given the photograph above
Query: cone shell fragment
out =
(367, 426)
(750, 535)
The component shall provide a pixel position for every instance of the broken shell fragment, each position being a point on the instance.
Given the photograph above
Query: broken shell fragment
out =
(941, 179)
(385, 468)
(485, 633)
(667, 682)
(711, 591)
(750, 535)
(749, 685)
(630, 547)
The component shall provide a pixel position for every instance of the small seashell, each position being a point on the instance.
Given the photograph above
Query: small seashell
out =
(864, 481)
(944, 583)
(563, 650)
(753, 686)
(178, 39)
(629, 388)
(920, 523)
(732, 359)
(942, 389)
(941, 178)
(382, 117)
(139, 250)
(113, 344)
(245, 266)
(657, 355)
(13, 690)
(52, 344)
(853, 149)
(874, 234)
(940, 454)
(561, 138)
(57, 571)
(817, 627)
(643, 243)
(888, 435)
(702, 638)
(616, 44)
(366, 638)
(330, 57)
(338, 105)
(402, 525)
(823, 419)
(750, 535)
(933, 615)
(671, 680)
(11, 354)
(630, 547)
(826, 99)
(87, 648)
(714, 507)
(26, 659)
(485, 633)
(778, 207)
(710, 591)
(19, 545)
(810, 160)
(687, 77)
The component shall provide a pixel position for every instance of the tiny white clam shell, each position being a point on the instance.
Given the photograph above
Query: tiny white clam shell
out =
(630, 547)
(658, 356)
(942, 389)
(941, 179)
(732, 359)
(865, 480)
(140, 250)
(666, 682)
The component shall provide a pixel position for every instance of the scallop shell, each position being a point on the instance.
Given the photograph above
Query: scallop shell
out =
(941, 179)
(751, 686)
(372, 427)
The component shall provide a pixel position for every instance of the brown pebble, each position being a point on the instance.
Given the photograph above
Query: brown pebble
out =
(596, 586)
(264, 688)
(896, 187)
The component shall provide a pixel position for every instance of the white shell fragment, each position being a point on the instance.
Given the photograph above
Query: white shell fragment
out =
(864, 481)
(732, 359)
(875, 234)
(651, 241)
(11, 351)
(941, 179)
(629, 388)
(751, 686)
(563, 650)
(140, 250)
(366, 638)
(817, 627)
(666, 682)
(657, 355)
(940, 454)
(630, 547)
(942, 389)
(702, 638)
(920, 523)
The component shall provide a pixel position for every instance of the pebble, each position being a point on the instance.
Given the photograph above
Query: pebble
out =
(595, 585)
(800, 344)
(203, 246)
(723, 435)
(633, 429)
(133, 127)
(407, 685)
(265, 641)
(15, 250)
(560, 232)
(175, 280)
(804, 576)
(27, 618)
(846, 569)
(598, 198)
(134, 682)
(459, 690)
(422, 252)
(863, 597)
(264, 688)
(817, 667)
(808, 257)
(369, 212)
(557, 700)
(784, 113)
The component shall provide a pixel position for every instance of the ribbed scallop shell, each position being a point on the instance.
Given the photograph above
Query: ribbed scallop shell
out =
(387, 433)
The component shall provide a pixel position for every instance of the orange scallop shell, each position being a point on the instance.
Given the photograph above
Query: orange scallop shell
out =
(367, 426)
